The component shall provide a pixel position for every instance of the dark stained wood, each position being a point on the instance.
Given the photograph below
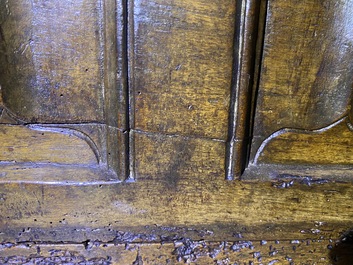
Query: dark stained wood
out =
(129, 165)
(45, 57)
(116, 95)
(247, 44)
(169, 158)
(64, 64)
(305, 88)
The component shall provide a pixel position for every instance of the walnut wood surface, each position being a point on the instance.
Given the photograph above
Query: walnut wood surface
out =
(298, 147)
(304, 90)
(199, 209)
(182, 66)
(278, 210)
(147, 106)
(306, 75)
(45, 146)
(50, 69)
(64, 63)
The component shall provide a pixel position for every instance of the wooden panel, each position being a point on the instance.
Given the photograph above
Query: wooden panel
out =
(298, 219)
(180, 208)
(182, 65)
(116, 95)
(63, 67)
(295, 147)
(186, 82)
(50, 54)
(307, 70)
(305, 86)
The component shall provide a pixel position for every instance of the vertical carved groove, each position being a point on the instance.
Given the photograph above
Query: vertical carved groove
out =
(126, 88)
(257, 70)
(116, 87)
(245, 46)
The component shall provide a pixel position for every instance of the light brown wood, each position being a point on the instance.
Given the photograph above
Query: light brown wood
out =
(310, 147)
(41, 145)
(149, 209)
(182, 66)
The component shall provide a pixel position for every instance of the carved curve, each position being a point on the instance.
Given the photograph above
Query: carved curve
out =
(27, 144)
(69, 131)
(276, 135)
(8, 117)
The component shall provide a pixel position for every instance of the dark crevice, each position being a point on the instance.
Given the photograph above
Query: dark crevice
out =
(257, 71)
(126, 86)
(342, 252)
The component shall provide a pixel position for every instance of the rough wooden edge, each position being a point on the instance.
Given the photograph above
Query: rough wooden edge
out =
(184, 251)
(214, 211)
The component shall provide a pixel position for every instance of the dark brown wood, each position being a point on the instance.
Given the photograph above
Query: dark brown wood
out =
(305, 91)
(128, 166)
(64, 67)
(45, 57)
(116, 94)
(248, 39)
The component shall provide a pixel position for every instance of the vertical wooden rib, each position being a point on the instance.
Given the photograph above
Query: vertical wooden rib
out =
(246, 41)
(116, 94)
(129, 52)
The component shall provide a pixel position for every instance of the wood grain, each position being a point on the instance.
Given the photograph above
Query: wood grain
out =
(208, 208)
(305, 86)
(168, 158)
(49, 54)
(23, 144)
(169, 202)
(65, 63)
(116, 109)
(306, 76)
(310, 148)
(159, 94)
(247, 50)
(182, 66)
